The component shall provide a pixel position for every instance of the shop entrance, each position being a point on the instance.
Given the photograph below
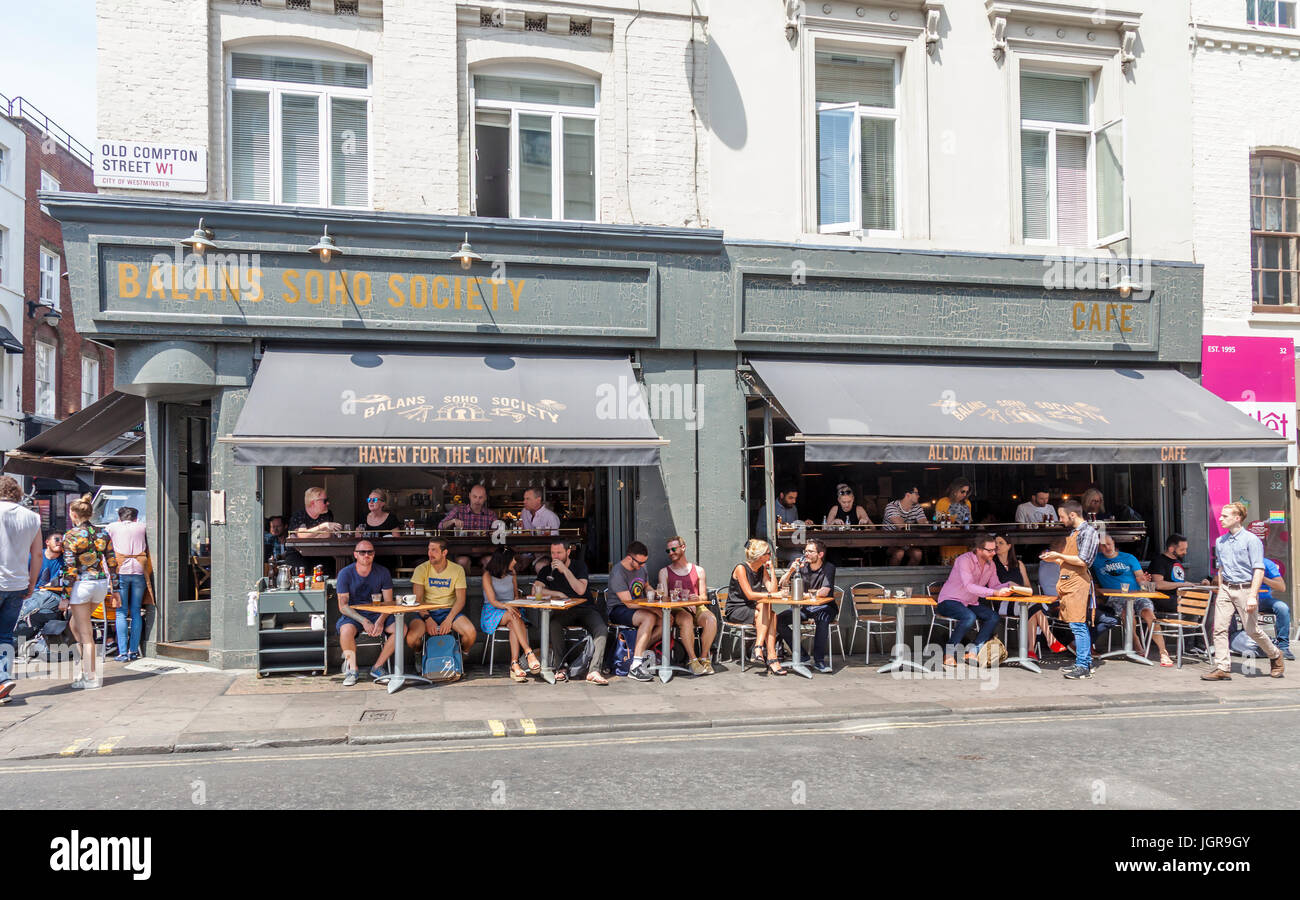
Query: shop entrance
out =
(187, 549)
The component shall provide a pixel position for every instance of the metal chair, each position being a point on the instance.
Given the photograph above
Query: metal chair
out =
(501, 634)
(734, 630)
(809, 629)
(948, 622)
(1193, 607)
(868, 612)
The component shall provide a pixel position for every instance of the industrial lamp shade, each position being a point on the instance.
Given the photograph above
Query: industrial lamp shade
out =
(325, 248)
(200, 240)
(466, 254)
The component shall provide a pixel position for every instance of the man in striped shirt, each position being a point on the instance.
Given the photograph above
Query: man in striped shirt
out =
(906, 511)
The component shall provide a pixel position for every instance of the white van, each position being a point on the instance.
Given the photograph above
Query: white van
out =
(109, 499)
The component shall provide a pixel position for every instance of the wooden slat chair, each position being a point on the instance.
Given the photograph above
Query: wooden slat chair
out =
(933, 589)
(869, 613)
(201, 576)
(1193, 607)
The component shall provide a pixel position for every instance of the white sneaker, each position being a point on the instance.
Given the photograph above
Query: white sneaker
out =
(349, 678)
(94, 685)
(78, 683)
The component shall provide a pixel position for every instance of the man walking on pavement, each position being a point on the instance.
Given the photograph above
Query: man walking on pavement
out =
(1241, 571)
(1075, 584)
(21, 556)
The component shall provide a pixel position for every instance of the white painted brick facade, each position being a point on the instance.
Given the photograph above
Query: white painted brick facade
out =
(161, 76)
(1243, 90)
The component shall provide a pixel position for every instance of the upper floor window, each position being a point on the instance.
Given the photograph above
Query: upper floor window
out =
(857, 140)
(48, 183)
(1277, 13)
(1071, 173)
(4, 164)
(534, 153)
(4, 246)
(89, 381)
(45, 379)
(1274, 230)
(49, 278)
(298, 130)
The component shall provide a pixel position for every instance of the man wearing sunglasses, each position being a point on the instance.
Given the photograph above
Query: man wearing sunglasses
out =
(360, 583)
(683, 575)
(314, 520)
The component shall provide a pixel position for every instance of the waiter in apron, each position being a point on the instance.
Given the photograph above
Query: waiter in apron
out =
(1075, 585)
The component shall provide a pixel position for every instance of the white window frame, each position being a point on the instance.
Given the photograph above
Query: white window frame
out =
(4, 164)
(50, 368)
(276, 90)
(1277, 7)
(48, 183)
(53, 270)
(854, 226)
(4, 246)
(89, 366)
(557, 115)
(1088, 130)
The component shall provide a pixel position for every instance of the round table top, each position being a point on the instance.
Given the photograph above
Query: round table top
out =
(787, 600)
(531, 603)
(393, 608)
(1141, 595)
(916, 600)
(673, 604)
(1026, 598)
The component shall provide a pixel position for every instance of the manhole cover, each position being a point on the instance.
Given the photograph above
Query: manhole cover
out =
(377, 715)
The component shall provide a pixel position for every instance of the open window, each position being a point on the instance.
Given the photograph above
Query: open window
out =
(534, 153)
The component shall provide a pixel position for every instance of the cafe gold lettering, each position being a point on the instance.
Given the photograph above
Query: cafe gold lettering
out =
(1173, 454)
(388, 404)
(420, 289)
(314, 287)
(1092, 317)
(981, 452)
(338, 289)
(291, 288)
(128, 281)
(396, 297)
(361, 288)
(440, 284)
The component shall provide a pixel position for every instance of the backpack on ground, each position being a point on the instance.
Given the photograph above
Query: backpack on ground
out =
(442, 661)
(618, 656)
(577, 661)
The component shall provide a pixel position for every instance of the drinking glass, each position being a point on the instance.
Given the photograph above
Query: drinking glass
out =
(1124, 587)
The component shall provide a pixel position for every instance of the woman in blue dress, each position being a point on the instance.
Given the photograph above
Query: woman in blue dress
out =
(500, 586)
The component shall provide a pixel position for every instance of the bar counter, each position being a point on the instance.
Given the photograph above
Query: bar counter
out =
(928, 535)
(416, 546)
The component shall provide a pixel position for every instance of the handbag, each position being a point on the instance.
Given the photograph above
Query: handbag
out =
(993, 653)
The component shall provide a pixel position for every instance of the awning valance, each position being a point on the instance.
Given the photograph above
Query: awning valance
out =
(366, 408)
(103, 442)
(968, 413)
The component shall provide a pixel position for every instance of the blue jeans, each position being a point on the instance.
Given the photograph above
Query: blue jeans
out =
(821, 617)
(1082, 644)
(1105, 622)
(966, 617)
(1281, 620)
(132, 591)
(10, 603)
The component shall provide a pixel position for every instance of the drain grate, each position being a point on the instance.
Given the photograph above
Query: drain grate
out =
(378, 715)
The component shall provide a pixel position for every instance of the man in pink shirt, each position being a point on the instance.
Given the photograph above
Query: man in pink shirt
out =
(973, 577)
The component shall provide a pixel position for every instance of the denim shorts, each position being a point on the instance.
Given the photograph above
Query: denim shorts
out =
(346, 620)
(440, 615)
(622, 615)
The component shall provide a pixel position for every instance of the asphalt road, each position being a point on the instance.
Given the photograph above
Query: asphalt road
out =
(1133, 759)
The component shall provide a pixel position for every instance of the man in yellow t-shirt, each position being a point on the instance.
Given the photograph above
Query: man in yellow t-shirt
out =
(442, 583)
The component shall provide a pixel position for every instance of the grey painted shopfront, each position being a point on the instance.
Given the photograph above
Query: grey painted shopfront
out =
(686, 307)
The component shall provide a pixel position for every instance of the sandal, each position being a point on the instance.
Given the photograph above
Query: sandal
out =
(1166, 661)
(776, 671)
(534, 666)
(597, 678)
(517, 673)
(949, 662)
(561, 676)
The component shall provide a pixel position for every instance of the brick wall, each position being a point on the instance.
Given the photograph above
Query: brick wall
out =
(43, 231)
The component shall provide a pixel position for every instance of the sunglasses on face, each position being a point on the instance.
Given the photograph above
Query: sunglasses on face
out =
(846, 493)
(673, 549)
(364, 552)
(640, 560)
(373, 500)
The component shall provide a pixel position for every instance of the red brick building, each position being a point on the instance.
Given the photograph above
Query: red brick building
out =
(61, 372)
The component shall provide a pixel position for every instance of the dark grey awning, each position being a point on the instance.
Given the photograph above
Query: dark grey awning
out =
(338, 408)
(104, 439)
(916, 412)
(10, 343)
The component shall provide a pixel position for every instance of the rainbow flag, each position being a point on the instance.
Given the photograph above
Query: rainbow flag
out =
(1277, 517)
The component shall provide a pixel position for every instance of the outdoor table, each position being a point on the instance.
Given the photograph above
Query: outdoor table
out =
(666, 667)
(1023, 650)
(796, 650)
(398, 611)
(900, 656)
(547, 607)
(1130, 596)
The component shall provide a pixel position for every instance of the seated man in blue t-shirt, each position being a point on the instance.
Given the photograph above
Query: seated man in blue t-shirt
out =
(359, 583)
(51, 572)
(1113, 570)
(1273, 581)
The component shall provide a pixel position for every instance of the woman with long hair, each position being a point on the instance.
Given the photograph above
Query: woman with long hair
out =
(1012, 569)
(500, 586)
(86, 551)
(750, 579)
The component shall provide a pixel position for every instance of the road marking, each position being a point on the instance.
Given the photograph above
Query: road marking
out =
(643, 738)
(498, 727)
(74, 747)
(107, 747)
(530, 727)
